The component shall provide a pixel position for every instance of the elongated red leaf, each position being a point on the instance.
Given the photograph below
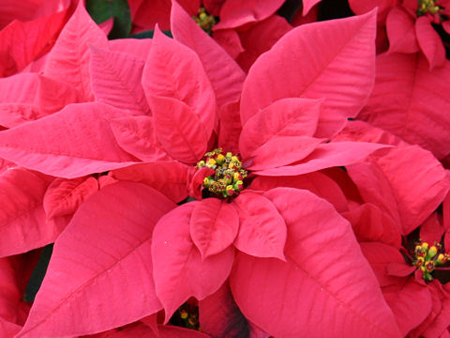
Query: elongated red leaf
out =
(401, 79)
(411, 304)
(68, 61)
(316, 292)
(325, 156)
(262, 231)
(23, 224)
(179, 130)
(409, 193)
(226, 76)
(179, 270)
(23, 42)
(339, 67)
(235, 13)
(280, 134)
(370, 223)
(29, 96)
(182, 79)
(316, 182)
(401, 32)
(213, 226)
(63, 196)
(169, 178)
(116, 80)
(75, 142)
(101, 256)
(136, 135)
(430, 42)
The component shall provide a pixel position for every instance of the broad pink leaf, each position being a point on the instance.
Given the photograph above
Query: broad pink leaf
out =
(213, 226)
(220, 315)
(63, 196)
(401, 32)
(30, 96)
(23, 42)
(229, 40)
(341, 68)
(116, 80)
(325, 156)
(410, 193)
(225, 75)
(316, 292)
(136, 135)
(430, 42)
(181, 79)
(316, 182)
(179, 130)
(235, 13)
(23, 224)
(370, 223)
(280, 134)
(75, 142)
(68, 61)
(167, 331)
(404, 79)
(411, 304)
(101, 251)
(179, 270)
(169, 178)
(262, 231)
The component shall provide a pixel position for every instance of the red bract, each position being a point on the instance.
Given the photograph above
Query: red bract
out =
(409, 25)
(197, 126)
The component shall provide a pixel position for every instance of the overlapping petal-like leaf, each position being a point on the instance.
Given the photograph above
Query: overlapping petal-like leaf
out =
(316, 292)
(68, 61)
(213, 226)
(75, 142)
(262, 231)
(225, 75)
(116, 80)
(101, 256)
(400, 102)
(23, 224)
(179, 270)
(343, 73)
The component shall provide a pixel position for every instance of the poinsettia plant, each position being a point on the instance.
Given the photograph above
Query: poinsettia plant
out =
(168, 186)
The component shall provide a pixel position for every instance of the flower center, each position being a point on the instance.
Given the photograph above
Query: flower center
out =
(228, 178)
(204, 20)
(427, 257)
(428, 6)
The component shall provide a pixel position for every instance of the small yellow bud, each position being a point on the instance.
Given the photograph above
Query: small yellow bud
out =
(432, 251)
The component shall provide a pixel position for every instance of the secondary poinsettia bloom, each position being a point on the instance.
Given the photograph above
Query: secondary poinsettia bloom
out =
(244, 29)
(113, 225)
(409, 25)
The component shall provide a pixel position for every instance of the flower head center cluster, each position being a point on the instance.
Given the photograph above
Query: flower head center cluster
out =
(204, 20)
(228, 179)
(427, 257)
(428, 7)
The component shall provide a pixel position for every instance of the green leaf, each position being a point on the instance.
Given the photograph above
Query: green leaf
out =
(102, 10)
(38, 274)
(149, 34)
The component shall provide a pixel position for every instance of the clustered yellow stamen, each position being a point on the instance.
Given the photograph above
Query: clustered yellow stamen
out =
(427, 257)
(188, 314)
(428, 6)
(228, 179)
(204, 20)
